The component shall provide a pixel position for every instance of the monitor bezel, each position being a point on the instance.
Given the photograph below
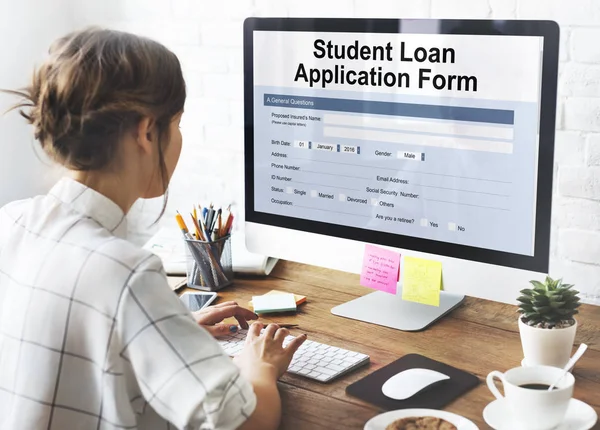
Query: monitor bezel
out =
(549, 30)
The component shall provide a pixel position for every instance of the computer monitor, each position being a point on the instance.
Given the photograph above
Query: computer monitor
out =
(431, 137)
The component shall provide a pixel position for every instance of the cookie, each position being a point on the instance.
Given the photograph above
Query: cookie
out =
(421, 423)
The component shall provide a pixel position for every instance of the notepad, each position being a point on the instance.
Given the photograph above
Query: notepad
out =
(422, 281)
(299, 299)
(270, 303)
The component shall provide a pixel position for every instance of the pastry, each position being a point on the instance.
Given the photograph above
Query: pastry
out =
(421, 423)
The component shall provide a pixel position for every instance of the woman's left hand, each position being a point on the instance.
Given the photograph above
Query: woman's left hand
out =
(210, 318)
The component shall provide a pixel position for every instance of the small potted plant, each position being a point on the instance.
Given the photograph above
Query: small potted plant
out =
(547, 324)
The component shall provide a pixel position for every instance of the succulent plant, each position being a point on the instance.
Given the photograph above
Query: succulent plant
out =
(551, 304)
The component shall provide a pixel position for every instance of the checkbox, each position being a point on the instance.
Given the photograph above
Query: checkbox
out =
(374, 202)
(423, 222)
(313, 193)
(342, 198)
(290, 190)
(452, 226)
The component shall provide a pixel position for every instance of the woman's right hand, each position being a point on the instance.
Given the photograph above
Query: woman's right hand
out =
(265, 352)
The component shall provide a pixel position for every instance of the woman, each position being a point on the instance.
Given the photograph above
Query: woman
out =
(91, 336)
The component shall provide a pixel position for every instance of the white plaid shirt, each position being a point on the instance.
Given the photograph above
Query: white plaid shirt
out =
(91, 335)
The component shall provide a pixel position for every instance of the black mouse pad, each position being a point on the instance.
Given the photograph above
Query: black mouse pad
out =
(435, 396)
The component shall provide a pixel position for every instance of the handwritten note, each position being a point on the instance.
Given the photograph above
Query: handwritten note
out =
(422, 281)
(380, 269)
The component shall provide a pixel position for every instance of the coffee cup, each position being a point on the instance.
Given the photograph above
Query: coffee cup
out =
(530, 405)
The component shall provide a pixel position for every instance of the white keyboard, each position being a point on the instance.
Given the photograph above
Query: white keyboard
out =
(312, 360)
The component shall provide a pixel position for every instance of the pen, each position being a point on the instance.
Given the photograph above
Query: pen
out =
(204, 230)
(209, 218)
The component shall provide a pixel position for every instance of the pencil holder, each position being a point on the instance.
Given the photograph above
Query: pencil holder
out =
(209, 266)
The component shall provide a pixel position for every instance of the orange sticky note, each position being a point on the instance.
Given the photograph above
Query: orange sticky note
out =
(380, 269)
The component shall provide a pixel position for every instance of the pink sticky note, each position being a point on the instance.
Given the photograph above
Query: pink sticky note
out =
(380, 269)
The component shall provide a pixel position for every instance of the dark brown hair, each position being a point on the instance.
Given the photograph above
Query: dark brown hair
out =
(95, 86)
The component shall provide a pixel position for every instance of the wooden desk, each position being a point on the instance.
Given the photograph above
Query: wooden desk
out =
(479, 337)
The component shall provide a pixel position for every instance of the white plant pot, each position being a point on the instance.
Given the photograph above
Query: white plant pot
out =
(549, 347)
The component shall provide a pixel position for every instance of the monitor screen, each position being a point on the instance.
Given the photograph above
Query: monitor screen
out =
(427, 136)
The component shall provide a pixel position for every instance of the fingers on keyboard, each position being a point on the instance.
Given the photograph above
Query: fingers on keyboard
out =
(312, 360)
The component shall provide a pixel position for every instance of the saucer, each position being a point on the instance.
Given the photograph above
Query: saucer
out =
(381, 421)
(580, 416)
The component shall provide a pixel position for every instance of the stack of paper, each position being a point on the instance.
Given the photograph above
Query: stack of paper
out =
(168, 244)
(297, 297)
(270, 303)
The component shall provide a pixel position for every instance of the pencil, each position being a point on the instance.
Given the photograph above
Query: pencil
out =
(219, 224)
(225, 222)
(229, 224)
(194, 220)
(197, 227)
(181, 224)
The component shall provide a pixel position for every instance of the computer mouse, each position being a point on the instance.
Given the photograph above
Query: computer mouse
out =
(409, 382)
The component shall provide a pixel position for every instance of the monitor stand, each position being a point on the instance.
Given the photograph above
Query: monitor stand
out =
(391, 311)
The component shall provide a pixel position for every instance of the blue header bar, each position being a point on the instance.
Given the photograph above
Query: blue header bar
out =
(456, 113)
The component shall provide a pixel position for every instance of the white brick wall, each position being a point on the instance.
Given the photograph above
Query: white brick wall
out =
(584, 45)
(207, 35)
(593, 150)
(460, 9)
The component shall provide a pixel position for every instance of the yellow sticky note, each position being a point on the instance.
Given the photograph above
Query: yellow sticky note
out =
(422, 280)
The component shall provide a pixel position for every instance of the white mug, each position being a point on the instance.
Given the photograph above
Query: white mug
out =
(529, 408)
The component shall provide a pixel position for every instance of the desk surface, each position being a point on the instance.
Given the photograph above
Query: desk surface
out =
(479, 337)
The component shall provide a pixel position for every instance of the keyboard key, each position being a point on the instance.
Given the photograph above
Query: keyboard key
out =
(325, 371)
(335, 367)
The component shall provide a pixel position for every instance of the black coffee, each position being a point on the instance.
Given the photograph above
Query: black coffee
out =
(535, 386)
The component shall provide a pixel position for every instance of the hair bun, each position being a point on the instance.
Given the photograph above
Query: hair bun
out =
(95, 85)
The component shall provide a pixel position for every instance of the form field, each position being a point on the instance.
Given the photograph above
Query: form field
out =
(456, 128)
(419, 139)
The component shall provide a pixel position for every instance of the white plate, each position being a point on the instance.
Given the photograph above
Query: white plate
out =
(381, 421)
(580, 416)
